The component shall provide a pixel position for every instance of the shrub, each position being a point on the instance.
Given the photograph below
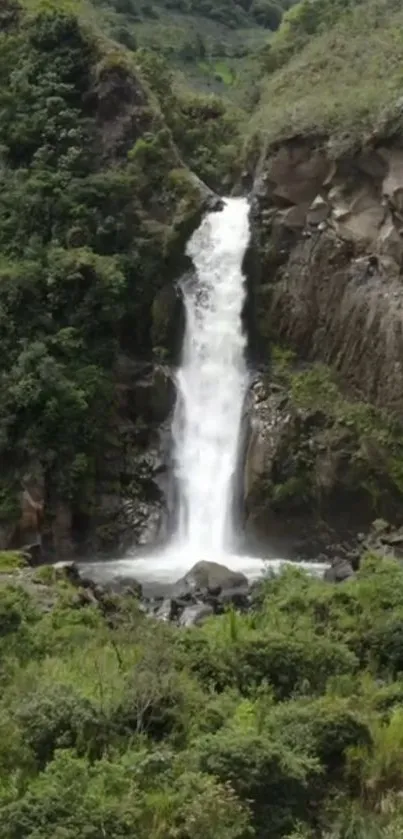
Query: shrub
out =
(263, 772)
(60, 718)
(288, 664)
(325, 729)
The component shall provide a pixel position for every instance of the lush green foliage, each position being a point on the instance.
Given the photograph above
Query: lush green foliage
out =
(208, 40)
(338, 445)
(282, 722)
(204, 127)
(92, 224)
(314, 65)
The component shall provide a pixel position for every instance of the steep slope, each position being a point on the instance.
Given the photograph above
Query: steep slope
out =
(334, 68)
(209, 42)
(327, 213)
(95, 207)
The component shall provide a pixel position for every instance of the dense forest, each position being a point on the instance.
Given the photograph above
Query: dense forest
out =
(121, 122)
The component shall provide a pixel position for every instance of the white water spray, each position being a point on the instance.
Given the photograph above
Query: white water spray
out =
(211, 383)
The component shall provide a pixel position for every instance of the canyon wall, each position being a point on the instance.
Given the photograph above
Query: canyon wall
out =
(328, 287)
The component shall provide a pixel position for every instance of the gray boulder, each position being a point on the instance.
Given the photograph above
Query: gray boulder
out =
(195, 615)
(339, 571)
(209, 577)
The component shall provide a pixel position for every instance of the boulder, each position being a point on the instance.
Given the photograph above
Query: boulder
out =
(195, 615)
(339, 571)
(82, 578)
(238, 597)
(166, 611)
(209, 576)
(69, 571)
(33, 554)
(123, 586)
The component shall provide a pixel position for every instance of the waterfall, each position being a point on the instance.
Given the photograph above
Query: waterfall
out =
(211, 382)
(211, 385)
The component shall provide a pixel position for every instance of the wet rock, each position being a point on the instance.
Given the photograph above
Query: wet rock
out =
(195, 615)
(119, 585)
(33, 554)
(238, 597)
(152, 396)
(71, 572)
(123, 586)
(208, 576)
(168, 321)
(166, 611)
(62, 530)
(339, 571)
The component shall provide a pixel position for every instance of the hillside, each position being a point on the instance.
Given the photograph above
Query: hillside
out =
(333, 68)
(209, 43)
(96, 203)
(327, 138)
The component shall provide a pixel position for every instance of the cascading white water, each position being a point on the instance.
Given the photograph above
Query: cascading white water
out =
(211, 382)
(211, 386)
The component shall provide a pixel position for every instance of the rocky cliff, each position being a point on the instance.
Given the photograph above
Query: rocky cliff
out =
(328, 285)
(330, 241)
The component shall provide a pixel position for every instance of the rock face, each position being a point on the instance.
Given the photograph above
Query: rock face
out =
(131, 492)
(329, 235)
(314, 475)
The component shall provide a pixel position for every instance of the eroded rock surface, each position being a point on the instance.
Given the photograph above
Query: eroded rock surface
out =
(329, 235)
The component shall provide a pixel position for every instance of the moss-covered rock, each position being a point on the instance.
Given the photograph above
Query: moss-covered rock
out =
(320, 467)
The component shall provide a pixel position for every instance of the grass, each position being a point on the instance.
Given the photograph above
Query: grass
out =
(345, 82)
(37, 6)
(11, 561)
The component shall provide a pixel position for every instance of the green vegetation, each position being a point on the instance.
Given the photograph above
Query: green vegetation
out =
(209, 41)
(314, 78)
(336, 445)
(283, 722)
(205, 129)
(11, 561)
(95, 206)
